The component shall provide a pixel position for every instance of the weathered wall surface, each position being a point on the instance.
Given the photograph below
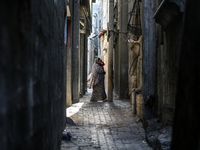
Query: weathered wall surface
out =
(168, 50)
(167, 70)
(84, 47)
(149, 55)
(75, 48)
(32, 74)
(105, 14)
(123, 49)
(91, 55)
(82, 64)
(116, 66)
(186, 133)
(104, 57)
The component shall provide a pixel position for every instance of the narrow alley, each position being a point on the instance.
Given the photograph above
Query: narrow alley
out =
(99, 74)
(104, 126)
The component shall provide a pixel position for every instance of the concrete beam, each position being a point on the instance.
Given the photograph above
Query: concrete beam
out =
(149, 55)
(110, 51)
(75, 13)
(123, 50)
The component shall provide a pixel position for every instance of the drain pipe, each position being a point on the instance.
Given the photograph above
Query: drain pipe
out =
(135, 91)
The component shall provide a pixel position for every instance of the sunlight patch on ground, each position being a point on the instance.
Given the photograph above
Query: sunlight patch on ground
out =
(70, 111)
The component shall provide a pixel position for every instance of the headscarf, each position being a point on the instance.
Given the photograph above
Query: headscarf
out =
(96, 60)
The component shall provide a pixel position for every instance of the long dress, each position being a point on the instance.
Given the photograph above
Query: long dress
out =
(97, 83)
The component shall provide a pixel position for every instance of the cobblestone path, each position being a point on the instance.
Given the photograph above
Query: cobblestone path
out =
(104, 126)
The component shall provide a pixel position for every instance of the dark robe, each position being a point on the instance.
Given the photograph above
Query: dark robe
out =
(97, 82)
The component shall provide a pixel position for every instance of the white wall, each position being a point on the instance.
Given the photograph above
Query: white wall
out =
(105, 14)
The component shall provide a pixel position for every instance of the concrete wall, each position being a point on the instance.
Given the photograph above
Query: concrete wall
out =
(69, 61)
(149, 55)
(91, 55)
(105, 18)
(32, 74)
(167, 70)
(168, 49)
(123, 49)
(95, 30)
(135, 48)
(84, 47)
(75, 49)
(104, 57)
(82, 64)
(186, 133)
(116, 66)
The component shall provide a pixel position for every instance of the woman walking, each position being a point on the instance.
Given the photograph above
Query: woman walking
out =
(97, 81)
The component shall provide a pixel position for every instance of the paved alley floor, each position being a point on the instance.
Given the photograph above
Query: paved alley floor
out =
(103, 126)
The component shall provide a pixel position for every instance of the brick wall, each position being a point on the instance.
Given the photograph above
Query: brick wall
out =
(32, 74)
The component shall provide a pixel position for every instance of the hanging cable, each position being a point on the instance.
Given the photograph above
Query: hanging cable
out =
(134, 28)
(136, 58)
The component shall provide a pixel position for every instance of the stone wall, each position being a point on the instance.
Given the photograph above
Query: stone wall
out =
(32, 74)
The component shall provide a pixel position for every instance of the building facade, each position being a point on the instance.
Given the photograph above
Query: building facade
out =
(79, 27)
(147, 47)
(32, 74)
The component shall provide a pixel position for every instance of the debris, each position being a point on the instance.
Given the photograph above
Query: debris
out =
(144, 142)
(137, 119)
(158, 134)
(66, 136)
(70, 121)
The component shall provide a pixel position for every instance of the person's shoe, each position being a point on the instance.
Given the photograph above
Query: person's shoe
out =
(105, 100)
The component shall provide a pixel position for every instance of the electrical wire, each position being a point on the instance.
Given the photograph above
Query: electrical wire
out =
(123, 38)
(136, 58)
